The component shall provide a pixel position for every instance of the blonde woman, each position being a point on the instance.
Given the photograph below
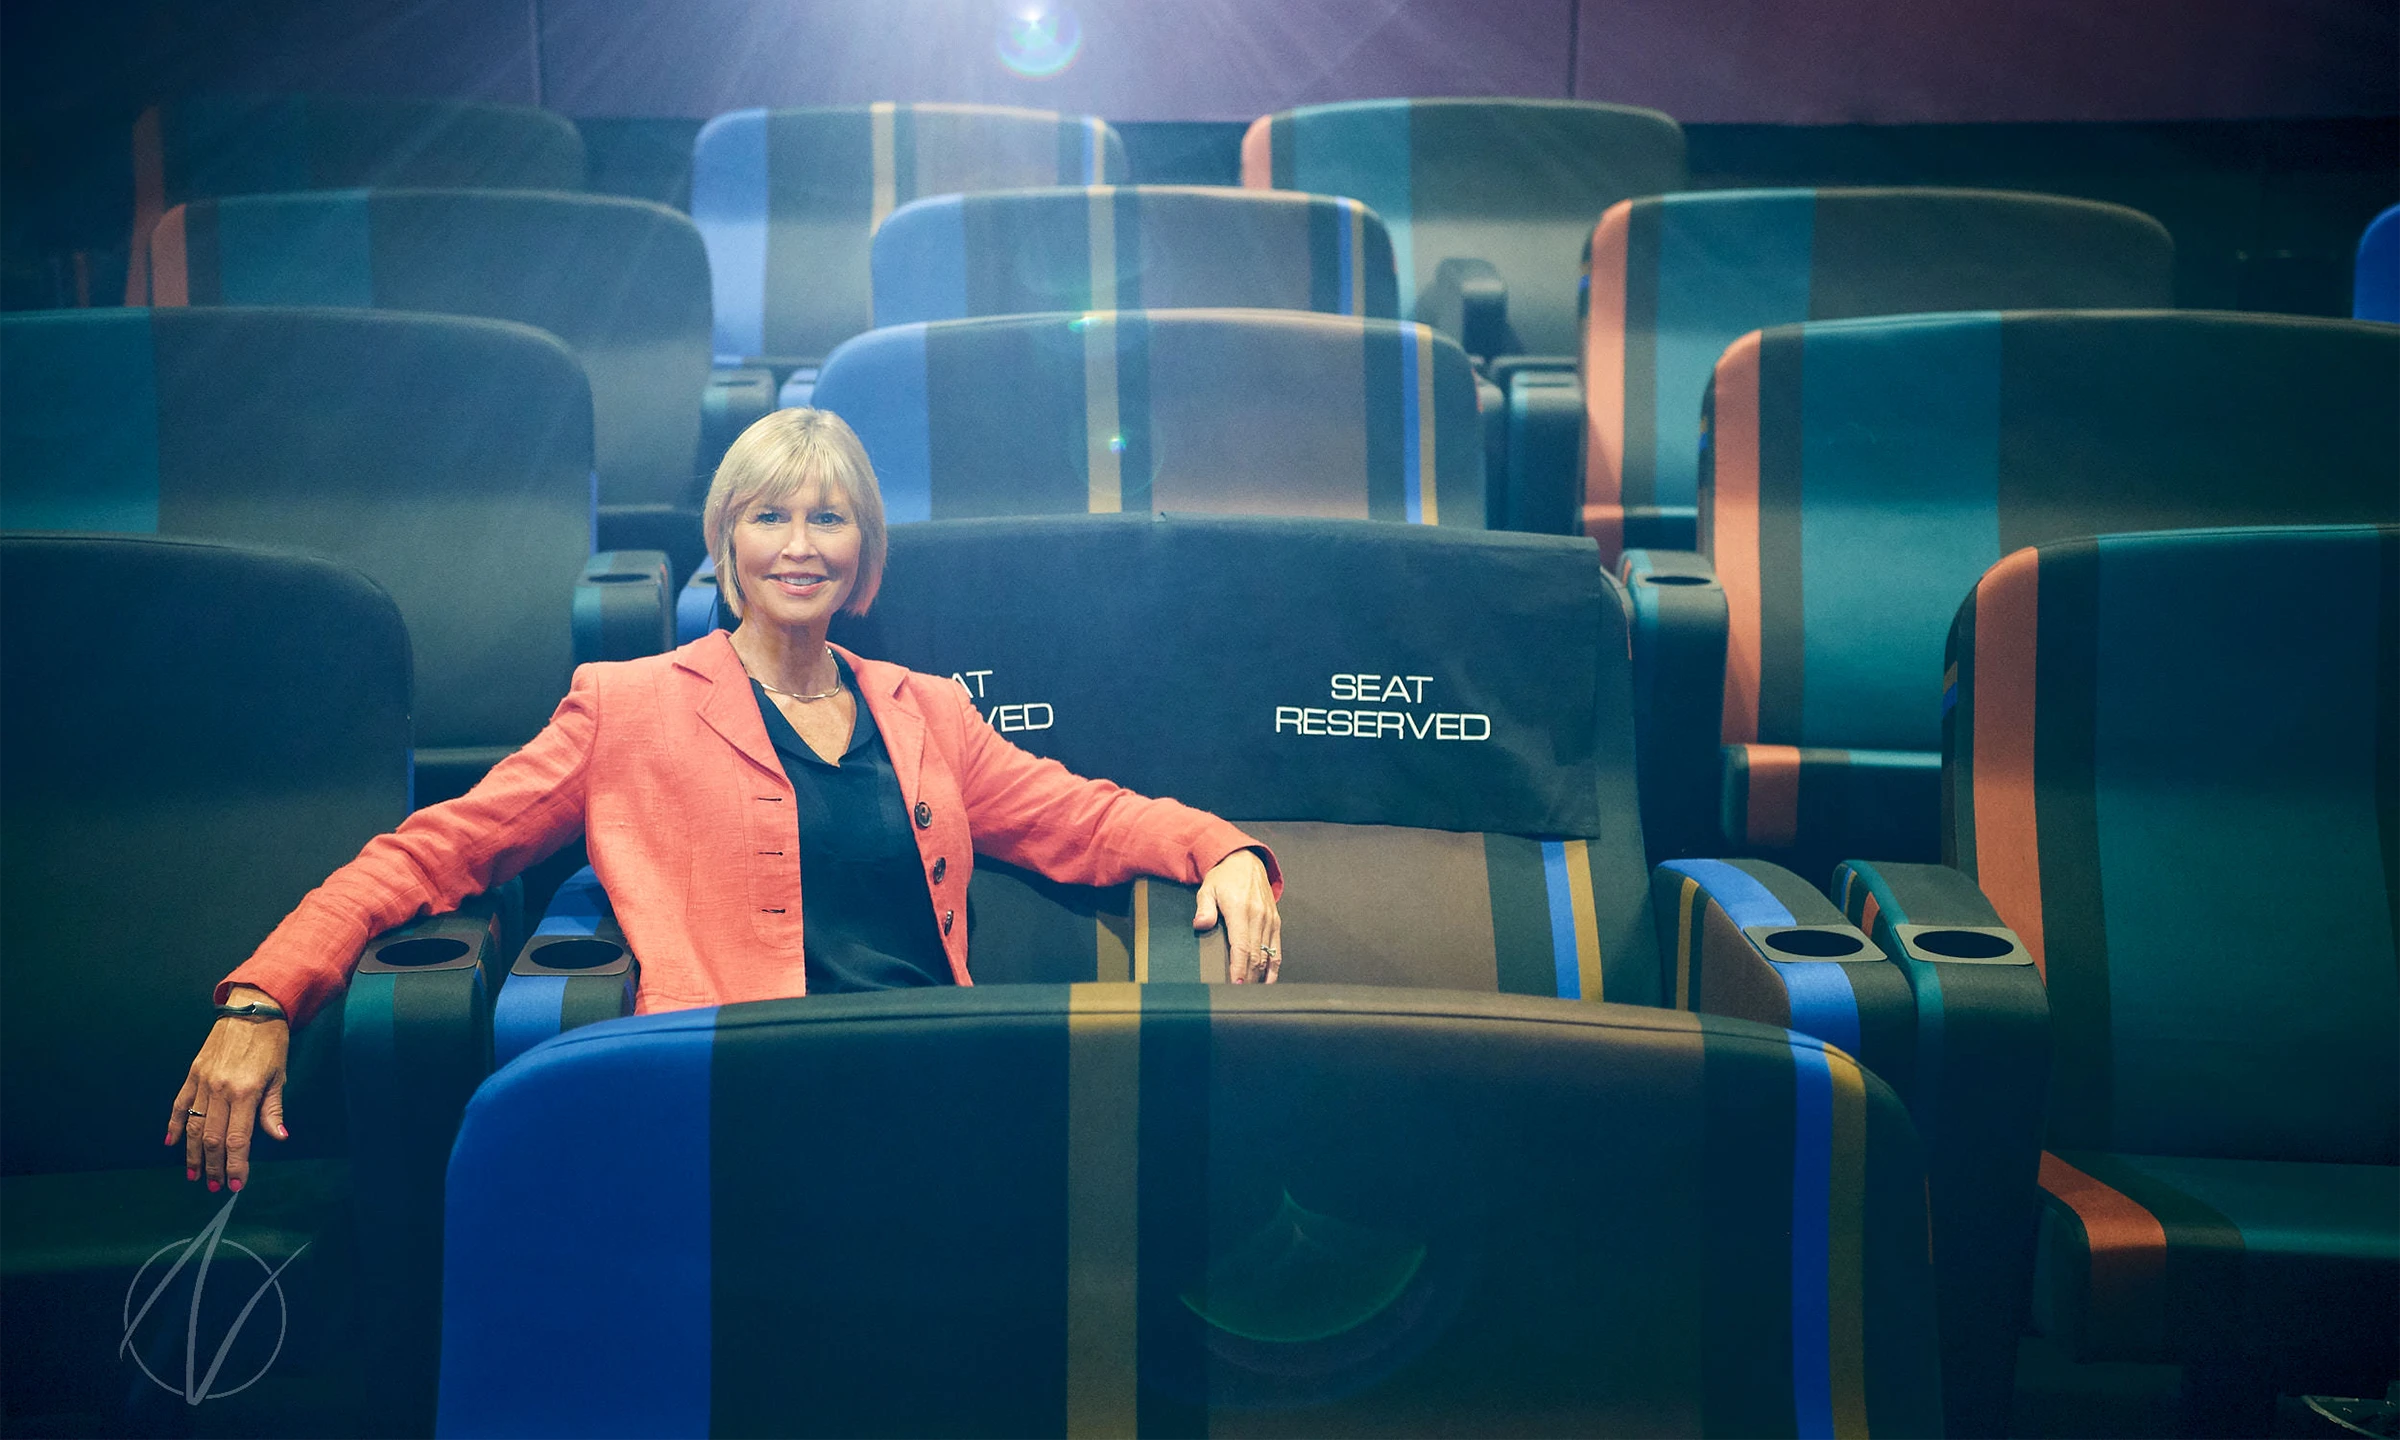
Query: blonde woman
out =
(770, 814)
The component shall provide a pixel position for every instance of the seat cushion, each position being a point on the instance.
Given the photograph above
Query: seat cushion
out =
(1875, 802)
(2170, 1258)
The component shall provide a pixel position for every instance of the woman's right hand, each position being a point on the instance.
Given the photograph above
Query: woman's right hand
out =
(234, 1086)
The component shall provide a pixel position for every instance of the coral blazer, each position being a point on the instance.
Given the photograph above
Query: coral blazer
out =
(664, 766)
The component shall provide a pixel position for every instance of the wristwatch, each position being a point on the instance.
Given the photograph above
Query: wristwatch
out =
(251, 1010)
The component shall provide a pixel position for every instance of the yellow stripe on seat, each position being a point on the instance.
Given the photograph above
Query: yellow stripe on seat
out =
(1685, 907)
(887, 170)
(1104, 1111)
(1102, 444)
(1103, 246)
(1579, 883)
(1845, 1234)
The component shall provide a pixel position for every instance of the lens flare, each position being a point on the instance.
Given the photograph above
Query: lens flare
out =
(1039, 40)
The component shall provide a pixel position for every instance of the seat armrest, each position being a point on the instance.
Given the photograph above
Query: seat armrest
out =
(1749, 939)
(696, 604)
(1541, 488)
(576, 970)
(621, 607)
(416, 1040)
(738, 396)
(1982, 1081)
(1679, 626)
(1468, 301)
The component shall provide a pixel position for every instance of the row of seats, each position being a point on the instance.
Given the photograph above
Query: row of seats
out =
(2155, 765)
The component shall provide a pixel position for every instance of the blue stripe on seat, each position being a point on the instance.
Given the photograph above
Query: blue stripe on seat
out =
(1343, 210)
(1812, 1250)
(528, 1012)
(1562, 919)
(696, 604)
(547, 1294)
(729, 205)
(877, 383)
(579, 906)
(1743, 899)
(1822, 1001)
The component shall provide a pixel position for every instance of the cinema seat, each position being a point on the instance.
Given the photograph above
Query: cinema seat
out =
(1488, 201)
(207, 147)
(2169, 765)
(1130, 247)
(1117, 1209)
(1791, 677)
(788, 201)
(2375, 292)
(623, 282)
(449, 459)
(1245, 411)
(194, 735)
(1677, 278)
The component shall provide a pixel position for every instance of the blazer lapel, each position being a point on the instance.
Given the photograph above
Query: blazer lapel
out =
(880, 684)
(728, 707)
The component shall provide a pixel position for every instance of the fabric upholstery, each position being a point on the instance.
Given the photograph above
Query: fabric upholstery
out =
(1512, 182)
(1754, 941)
(1865, 472)
(204, 147)
(2375, 287)
(450, 459)
(1133, 247)
(576, 970)
(141, 842)
(2169, 764)
(1241, 411)
(1981, 1073)
(1464, 816)
(1677, 278)
(623, 282)
(1462, 1214)
(789, 200)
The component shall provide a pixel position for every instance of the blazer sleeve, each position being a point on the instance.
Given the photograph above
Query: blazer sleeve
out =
(530, 804)
(1030, 811)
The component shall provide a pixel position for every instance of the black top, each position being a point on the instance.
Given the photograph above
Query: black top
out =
(865, 913)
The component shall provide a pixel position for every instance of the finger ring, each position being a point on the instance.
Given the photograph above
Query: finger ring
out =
(1269, 951)
(203, 1114)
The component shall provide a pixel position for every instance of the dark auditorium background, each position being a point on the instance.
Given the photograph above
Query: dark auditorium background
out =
(2260, 132)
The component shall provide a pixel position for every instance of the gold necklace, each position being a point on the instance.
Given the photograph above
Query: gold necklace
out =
(793, 695)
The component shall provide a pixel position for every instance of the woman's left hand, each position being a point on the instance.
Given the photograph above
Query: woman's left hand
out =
(1236, 891)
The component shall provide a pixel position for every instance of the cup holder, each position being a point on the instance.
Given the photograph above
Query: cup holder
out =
(426, 950)
(1815, 944)
(576, 954)
(1674, 579)
(1962, 944)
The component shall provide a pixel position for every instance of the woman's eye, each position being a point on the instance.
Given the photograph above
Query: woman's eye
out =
(828, 518)
(767, 517)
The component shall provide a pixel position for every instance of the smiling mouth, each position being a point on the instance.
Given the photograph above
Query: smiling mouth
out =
(800, 584)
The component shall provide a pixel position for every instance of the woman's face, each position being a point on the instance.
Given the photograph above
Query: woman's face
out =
(797, 560)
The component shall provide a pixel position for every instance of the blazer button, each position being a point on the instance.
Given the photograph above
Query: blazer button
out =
(924, 816)
(941, 867)
(947, 917)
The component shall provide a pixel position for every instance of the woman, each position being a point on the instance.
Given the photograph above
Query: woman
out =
(770, 814)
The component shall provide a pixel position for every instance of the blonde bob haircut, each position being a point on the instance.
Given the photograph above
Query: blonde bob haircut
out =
(786, 456)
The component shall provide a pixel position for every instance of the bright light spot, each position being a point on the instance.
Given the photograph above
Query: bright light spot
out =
(1039, 41)
(1116, 443)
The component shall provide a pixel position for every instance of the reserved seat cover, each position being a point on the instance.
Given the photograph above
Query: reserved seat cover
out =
(211, 146)
(1118, 1209)
(449, 459)
(623, 282)
(2170, 765)
(1513, 182)
(1130, 247)
(1677, 278)
(788, 201)
(1247, 411)
(1432, 729)
(2375, 292)
(1845, 513)
(191, 737)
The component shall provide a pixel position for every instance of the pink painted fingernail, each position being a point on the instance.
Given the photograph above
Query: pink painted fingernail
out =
(237, 1187)
(214, 1187)
(191, 1173)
